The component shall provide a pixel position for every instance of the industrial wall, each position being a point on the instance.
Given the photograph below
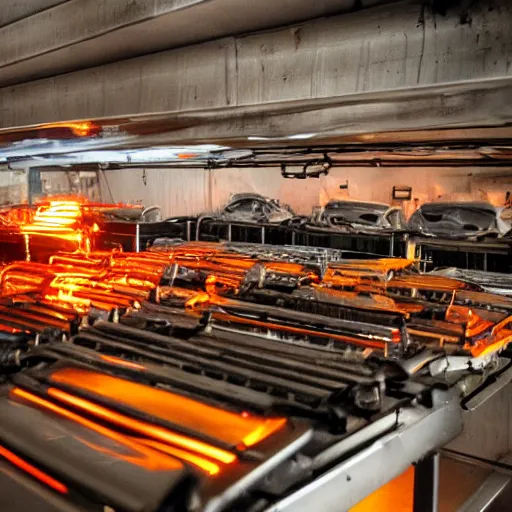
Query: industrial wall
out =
(189, 191)
(13, 186)
(176, 191)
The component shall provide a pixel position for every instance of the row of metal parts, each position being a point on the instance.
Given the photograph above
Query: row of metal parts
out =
(190, 419)
(76, 224)
(212, 379)
(112, 398)
(379, 305)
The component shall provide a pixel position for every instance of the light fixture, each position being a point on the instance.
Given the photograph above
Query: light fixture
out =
(402, 193)
(312, 169)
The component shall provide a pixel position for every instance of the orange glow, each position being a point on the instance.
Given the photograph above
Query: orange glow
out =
(426, 282)
(58, 219)
(144, 428)
(198, 299)
(232, 428)
(80, 129)
(500, 337)
(187, 155)
(84, 129)
(266, 429)
(476, 325)
(142, 456)
(206, 465)
(307, 332)
(54, 216)
(492, 345)
(121, 362)
(395, 496)
(33, 471)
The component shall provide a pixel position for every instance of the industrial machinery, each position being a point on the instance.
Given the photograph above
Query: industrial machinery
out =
(240, 355)
(224, 376)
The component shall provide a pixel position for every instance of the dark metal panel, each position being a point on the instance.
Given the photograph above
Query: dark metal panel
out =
(426, 484)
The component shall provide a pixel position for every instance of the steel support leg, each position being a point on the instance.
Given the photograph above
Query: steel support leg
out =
(426, 484)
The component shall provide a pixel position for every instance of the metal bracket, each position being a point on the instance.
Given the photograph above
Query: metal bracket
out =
(426, 484)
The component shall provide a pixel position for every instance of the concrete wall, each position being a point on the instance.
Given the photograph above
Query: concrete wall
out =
(177, 192)
(189, 191)
(13, 186)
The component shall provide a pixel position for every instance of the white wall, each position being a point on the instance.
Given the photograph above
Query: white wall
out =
(176, 191)
(189, 191)
(13, 186)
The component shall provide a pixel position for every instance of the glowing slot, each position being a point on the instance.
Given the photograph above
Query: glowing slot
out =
(204, 464)
(144, 428)
(263, 431)
(122, 362)
(241, 430)
(142, 456)
(33, 471)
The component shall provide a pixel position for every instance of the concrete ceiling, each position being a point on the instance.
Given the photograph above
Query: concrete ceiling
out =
(351, 62)
(14, 10)
(42, 38)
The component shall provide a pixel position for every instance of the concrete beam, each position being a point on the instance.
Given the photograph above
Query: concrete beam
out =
(374, 51)
(14, 10)
(440, 114)
(79, 34)
(390, 117)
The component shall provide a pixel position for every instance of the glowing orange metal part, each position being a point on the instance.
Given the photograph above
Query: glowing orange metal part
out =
(143, 456)
(308, 332)
(233, 428)
(144, 428)
(121, 362)
(500, 337)
(187, 155)
(33, 471)
(198, 299)
(202, 463)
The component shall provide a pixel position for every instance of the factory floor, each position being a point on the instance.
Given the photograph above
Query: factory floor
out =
(457, 483)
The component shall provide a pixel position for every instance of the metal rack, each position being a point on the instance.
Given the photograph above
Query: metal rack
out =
(493, 255)
(380, 243)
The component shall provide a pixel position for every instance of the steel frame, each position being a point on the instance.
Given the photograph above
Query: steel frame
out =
(420, 432)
